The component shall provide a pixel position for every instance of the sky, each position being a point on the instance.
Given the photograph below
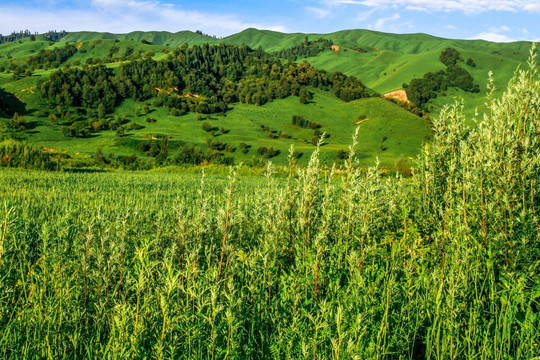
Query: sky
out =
(493, 20)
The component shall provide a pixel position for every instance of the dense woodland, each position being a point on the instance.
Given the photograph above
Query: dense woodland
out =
(306, 49)
(421, 90)
(204, 79)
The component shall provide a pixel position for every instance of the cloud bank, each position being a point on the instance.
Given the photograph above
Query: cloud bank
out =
(467, 6)
(119, 16)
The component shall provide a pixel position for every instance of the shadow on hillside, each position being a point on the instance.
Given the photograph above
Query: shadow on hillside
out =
(10, 104)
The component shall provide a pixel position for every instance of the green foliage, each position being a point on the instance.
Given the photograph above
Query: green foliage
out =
(50, 35)
(348, 88)
(470, 62)
(342, 154)
(19, 154)
(51, 57)
(450, 56)
(305, 95)
(206, 126)
(90, 87)
(80, 129)
(17, 122)
(200, 74)
(304, 50)
(194, 155)
(267, 153)
(300, 121)
(421, 90)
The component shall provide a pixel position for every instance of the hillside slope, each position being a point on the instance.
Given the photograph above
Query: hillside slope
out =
(384, 62)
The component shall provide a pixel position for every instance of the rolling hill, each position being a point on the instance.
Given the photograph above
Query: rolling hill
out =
(384, 62)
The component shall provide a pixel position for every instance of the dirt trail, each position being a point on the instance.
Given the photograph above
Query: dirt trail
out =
(358, 122)
(27, 89)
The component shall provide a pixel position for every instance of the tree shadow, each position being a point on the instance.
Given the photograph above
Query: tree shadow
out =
(83, 170)
(11, 104)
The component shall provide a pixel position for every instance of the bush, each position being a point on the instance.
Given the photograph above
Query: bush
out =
(342, 154)
(17, 122)
(19, 154)
(450, 56)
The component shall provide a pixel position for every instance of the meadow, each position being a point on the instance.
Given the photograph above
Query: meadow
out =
(347, 264)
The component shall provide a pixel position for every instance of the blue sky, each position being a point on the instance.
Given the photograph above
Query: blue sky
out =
(494, 20)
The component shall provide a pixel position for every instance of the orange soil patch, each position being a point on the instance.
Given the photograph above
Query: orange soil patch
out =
(400, 95)
(79, 44)
(51, 149)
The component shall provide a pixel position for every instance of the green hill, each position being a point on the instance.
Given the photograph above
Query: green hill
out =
(384, 62)
(155, 37)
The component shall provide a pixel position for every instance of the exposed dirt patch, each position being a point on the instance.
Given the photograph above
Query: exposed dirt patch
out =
(30, 89)
(79, 44)
(358, 122)
(51, 149)
(400, 95)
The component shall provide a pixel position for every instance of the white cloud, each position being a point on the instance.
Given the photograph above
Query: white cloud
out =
(120, 16)
(380, 24)
(319, 12)
(492, 36)
(533, 7)
(363, 16)
(468, 6)
(499, 29)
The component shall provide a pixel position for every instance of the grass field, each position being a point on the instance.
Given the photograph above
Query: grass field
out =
(309, 264)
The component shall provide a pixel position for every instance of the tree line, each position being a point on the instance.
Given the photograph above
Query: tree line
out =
(306, 49)
(204, 79)
(52, 35)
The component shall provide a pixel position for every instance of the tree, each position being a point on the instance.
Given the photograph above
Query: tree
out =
(305, 95)
(342, 154)
(17, 122)
(120, 132)
(99, 157)
(101, 111)
(450, 56)
(53, 119)
(206, 126)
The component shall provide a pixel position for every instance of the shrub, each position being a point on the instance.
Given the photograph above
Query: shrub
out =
(17, 122)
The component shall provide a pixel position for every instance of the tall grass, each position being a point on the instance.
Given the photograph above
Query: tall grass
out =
(141, 265)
